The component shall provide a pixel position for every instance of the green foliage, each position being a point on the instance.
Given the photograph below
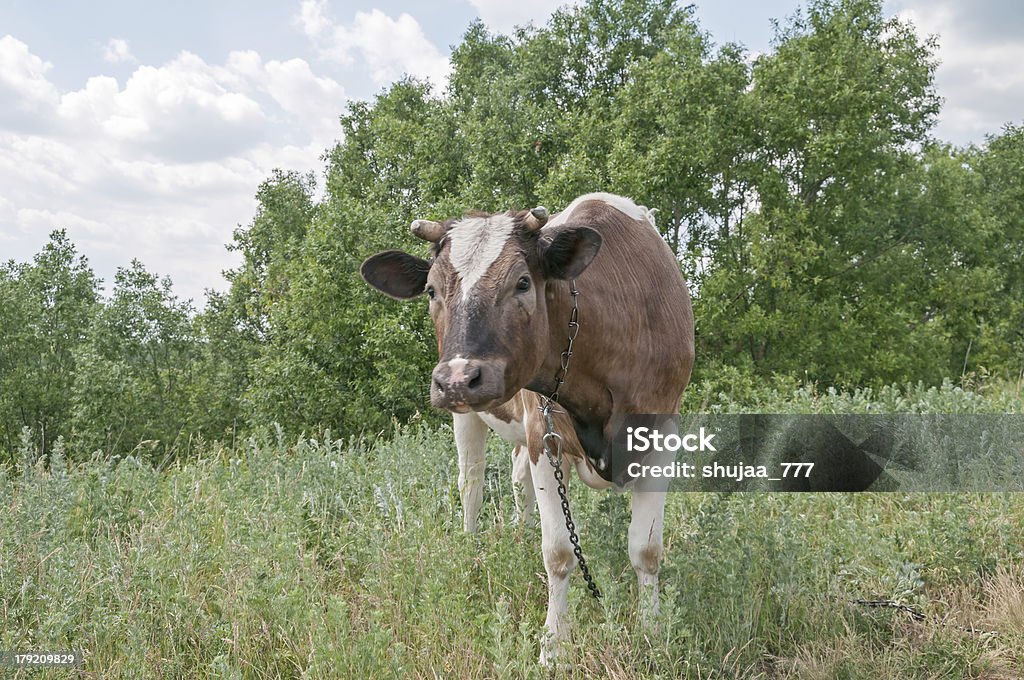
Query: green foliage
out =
(225, 353)
(1000, 167)
(135, 368)
(831, 277)
(285, 206)
(733, 391)
(45, 311)
(339, 356)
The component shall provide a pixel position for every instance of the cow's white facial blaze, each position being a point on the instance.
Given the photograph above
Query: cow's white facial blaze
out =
(476, 242)
(487, 340)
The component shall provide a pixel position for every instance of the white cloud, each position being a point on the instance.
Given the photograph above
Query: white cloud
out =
(980, 50)
(180, 111)
(116, 51)
(316, 101)
(42, 220)
(389, 47)
(503, 16)
(162, 166)
(312, 20)
(27, 95)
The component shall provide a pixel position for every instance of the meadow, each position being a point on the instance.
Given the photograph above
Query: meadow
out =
(316, 557)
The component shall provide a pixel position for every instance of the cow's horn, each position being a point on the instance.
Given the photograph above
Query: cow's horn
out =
(427, 230)
(537, 218)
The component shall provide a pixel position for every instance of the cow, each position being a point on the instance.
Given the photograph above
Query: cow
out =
(499, 288)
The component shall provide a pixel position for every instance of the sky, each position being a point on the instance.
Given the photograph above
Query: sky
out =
(144, 129)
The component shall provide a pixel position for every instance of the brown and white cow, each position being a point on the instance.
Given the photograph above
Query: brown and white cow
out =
(499, 297)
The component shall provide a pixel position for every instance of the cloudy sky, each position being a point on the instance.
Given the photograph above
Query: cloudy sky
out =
(144, 128)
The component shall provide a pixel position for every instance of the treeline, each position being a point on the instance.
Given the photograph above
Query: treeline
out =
(826, 234)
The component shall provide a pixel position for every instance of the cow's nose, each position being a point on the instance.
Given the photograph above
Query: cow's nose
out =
(464, 383)
(455, 378)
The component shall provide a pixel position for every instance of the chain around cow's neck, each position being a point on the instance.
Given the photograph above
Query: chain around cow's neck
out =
(553, 440)
(574, 329)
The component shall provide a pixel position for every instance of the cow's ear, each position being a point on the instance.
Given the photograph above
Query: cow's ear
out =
(396, 274)
(567, 250)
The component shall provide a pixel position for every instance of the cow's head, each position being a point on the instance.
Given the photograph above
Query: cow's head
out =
(486, 281)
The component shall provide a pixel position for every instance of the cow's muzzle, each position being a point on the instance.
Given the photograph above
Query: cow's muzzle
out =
(463, 385)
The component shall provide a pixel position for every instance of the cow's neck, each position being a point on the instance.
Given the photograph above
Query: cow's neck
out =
(584, 395)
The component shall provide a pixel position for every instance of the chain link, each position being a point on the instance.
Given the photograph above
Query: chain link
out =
(553, 440)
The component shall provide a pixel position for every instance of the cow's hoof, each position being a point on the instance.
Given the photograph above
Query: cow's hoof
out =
(552, 654)
(552, 660)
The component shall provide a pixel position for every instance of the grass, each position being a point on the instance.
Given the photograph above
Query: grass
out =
(321, 558)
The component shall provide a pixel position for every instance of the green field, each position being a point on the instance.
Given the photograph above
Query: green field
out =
(323, 558)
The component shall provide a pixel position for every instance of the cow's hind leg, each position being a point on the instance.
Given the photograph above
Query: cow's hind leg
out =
(559, 560)
(471, 441)
(645, 548)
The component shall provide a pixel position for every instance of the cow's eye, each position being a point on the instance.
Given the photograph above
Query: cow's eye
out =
(523, 283)
(431, 293)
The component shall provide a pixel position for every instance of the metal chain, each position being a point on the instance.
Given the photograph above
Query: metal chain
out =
(551, 435)
(574, 329)
(918, 615)
(914, 613)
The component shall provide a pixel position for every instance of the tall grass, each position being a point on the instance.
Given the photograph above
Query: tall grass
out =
(325, 558)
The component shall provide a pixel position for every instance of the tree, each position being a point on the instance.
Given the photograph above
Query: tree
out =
(271, 240)
(45, 310)
(999, 168)
(225, 353)
(822, 284)
(136, 369)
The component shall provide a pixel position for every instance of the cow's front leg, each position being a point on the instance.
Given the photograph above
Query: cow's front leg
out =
(645, 548)
(471, 441)
(559, 560)
(522, 478)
